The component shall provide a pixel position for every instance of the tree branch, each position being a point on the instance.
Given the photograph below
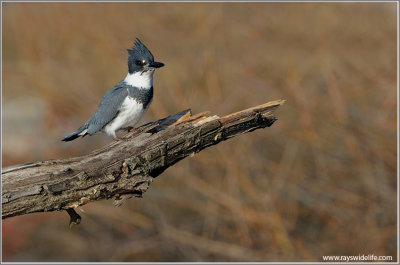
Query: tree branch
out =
(122, 169)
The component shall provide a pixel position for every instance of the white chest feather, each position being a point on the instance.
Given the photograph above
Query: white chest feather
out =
(140, 79)
(131, 111)
(129, 114)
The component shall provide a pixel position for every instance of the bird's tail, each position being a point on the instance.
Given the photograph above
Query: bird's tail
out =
(82, 131)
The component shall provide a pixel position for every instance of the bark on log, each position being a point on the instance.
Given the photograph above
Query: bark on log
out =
(122, 169)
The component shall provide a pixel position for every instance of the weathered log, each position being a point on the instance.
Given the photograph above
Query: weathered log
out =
(125, 168)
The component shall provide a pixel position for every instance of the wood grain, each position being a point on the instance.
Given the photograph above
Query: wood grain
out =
(122, 169)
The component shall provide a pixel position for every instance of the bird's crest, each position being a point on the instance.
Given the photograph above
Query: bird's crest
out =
(139, 50)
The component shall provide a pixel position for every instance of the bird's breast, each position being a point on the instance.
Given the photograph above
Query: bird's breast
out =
(129, 114)
(141, 95)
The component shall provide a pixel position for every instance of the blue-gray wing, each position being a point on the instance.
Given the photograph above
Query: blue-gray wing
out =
(107, 109)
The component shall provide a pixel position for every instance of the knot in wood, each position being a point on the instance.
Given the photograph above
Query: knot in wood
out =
(130, 167)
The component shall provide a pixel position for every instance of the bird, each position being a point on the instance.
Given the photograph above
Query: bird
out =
(123, 105)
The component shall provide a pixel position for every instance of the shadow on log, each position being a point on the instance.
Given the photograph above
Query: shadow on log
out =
(122, 169)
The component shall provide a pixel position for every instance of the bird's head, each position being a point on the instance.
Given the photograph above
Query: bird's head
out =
(140, 59)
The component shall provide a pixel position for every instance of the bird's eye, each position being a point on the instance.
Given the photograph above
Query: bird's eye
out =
(140, 62)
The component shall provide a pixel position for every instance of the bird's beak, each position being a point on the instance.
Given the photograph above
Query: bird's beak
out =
(155, 65)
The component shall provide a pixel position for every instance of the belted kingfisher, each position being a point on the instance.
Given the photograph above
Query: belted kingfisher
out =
(123, 105)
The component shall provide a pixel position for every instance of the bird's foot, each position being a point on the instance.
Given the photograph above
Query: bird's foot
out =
(114, 135)
(129, 129)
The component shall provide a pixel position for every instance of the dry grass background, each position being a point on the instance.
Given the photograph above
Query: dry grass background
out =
(321, 181)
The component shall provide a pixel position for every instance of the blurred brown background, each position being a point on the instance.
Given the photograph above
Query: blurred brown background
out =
(321, 181)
